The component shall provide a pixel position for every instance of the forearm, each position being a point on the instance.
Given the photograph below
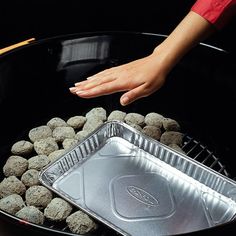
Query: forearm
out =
(205, 17)
(191, 30)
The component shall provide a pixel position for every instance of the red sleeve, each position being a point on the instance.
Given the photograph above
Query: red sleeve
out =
(217, 12)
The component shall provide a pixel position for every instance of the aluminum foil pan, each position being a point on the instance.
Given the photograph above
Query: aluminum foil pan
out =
(139, 186)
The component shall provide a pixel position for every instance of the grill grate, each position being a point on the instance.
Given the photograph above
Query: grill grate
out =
(200, 153)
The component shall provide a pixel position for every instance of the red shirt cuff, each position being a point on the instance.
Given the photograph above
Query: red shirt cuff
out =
(217, 12)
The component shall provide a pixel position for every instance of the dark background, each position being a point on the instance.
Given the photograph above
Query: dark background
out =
(20, 20)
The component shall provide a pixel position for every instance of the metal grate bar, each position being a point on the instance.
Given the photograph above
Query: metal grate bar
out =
(200, 153)
(210, 155)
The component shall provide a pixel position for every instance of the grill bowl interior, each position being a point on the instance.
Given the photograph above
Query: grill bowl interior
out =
(199, 93)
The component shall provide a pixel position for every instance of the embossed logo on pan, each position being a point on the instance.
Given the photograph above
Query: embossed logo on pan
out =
(142, 196)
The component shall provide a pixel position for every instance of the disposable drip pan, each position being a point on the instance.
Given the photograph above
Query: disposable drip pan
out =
(139, 186)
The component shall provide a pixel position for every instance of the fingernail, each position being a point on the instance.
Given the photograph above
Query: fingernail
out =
(79, 92)
(72, 89)
(90, 78)
(124, 101)
(78, 83)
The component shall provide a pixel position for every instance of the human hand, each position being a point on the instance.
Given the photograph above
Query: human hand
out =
(144, 76)
(137, 79)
